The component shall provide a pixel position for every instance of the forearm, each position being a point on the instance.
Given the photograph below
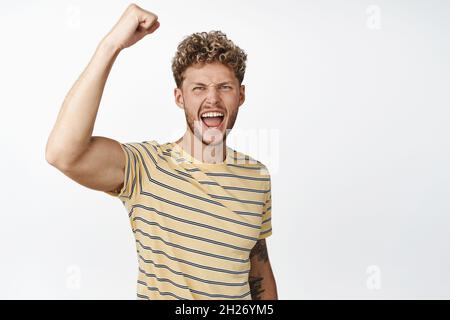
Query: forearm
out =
(73, 129)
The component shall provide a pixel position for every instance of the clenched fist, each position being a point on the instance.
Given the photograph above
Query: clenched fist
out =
(134, 24)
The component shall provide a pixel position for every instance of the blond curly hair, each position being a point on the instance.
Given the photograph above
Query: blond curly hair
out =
(207, 47)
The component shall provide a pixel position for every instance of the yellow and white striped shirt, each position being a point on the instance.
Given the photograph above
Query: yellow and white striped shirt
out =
(194, 223)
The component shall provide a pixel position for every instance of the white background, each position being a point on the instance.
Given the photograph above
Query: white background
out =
(356, 94)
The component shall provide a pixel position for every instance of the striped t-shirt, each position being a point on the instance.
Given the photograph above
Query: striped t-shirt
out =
(194, 223)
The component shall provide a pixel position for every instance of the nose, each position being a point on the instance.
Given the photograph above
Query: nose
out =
(213, 95)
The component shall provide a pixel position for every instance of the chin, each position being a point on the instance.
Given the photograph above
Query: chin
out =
(210, 142)
(210, 135)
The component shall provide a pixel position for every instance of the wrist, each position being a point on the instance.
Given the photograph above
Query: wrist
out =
(109, 47)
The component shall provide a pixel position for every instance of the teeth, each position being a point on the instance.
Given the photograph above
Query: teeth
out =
(212, 114)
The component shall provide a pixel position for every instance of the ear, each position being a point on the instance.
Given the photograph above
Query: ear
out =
(241, 95)
(179, 100)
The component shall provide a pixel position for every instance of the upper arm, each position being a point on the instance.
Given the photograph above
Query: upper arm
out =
(100, 167)
(259, 254)
(261, 278)
(259, 259)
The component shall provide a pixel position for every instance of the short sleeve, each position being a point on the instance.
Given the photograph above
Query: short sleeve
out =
(266, 223)
(132, 171)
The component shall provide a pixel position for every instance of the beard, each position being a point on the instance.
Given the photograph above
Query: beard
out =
(210, 136)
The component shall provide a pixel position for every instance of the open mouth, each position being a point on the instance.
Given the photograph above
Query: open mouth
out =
(212, 119)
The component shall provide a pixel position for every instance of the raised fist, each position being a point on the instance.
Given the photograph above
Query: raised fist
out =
(134, 24)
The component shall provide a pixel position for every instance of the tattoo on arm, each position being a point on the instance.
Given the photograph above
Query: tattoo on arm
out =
(260, 251)
(255, 287)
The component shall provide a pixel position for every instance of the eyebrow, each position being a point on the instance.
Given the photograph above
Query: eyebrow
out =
(202, 84)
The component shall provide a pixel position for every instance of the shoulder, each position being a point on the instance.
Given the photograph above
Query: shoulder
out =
(245, 161)
(157, 147)
(144, 150)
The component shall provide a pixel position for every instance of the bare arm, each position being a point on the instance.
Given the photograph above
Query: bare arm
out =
(96, 162)
(74, 125)
(261, 279)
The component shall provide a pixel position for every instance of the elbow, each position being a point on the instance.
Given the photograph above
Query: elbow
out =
(56, 158)
(63, 156)
(52, 158)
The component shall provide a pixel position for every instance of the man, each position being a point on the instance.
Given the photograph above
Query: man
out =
(199, 210)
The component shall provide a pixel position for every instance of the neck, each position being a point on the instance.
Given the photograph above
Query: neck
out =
(202, 152)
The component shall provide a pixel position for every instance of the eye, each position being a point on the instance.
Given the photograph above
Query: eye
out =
(198, 88)
(226, 87)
